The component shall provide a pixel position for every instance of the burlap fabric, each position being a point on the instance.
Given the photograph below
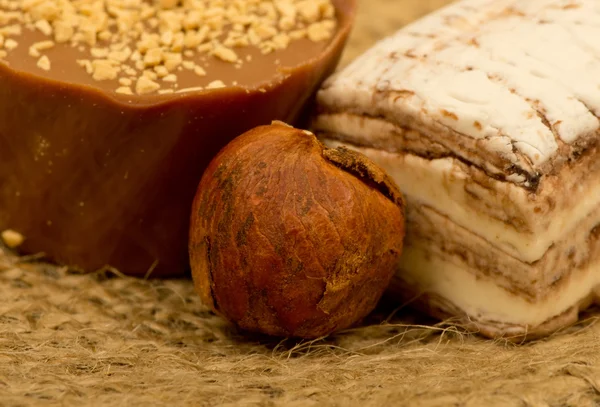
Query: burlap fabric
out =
(107, 340)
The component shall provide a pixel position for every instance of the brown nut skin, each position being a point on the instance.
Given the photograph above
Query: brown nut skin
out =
(290, 238)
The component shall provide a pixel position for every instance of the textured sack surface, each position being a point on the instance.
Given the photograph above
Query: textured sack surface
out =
(103, 339)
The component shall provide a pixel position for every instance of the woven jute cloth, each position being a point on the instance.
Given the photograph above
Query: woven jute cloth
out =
(103, 339)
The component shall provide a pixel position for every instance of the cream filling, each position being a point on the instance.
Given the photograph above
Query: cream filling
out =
(440, 184)
(482, 299)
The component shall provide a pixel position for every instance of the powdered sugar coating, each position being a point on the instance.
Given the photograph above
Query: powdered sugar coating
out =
(522, 79)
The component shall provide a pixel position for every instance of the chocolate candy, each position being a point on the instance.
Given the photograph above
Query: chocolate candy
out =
(96, 177)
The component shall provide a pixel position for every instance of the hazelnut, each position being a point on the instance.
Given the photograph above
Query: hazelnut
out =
(291, 238)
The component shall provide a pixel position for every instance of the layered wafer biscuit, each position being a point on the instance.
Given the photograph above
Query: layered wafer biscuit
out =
(486, 115)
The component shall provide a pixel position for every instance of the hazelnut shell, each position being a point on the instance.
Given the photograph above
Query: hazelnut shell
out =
(291, 238)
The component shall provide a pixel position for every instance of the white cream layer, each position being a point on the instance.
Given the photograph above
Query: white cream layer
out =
(441, 183)
(483, 299)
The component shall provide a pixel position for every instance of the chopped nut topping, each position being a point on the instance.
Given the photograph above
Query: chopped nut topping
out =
(281, 41)
(140, 41)
(87, 64)
(308, 10)
(215, 85)
(161, 71)
(104, 69)
(172, 61)
(120, 55)
(44, 63)
(225, 54)
(319, 31)
(205, 47)
(44, 26)
(11, 30)
(34, 49)
(153, 57)
(124, 90)
(34, 52)
(63, 31)
(129, 71)
(150, 74)
(144, 86)
(198, 70)
(10, 44)
(298, 34)
(99, 52)
(194, 89)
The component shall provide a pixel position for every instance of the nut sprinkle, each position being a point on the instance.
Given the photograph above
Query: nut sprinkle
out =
(148, 43)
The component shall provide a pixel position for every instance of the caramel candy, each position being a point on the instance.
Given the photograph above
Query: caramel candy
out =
(99, 161)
